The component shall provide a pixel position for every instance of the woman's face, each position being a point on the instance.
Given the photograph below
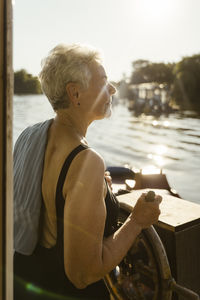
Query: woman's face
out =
(98, 96)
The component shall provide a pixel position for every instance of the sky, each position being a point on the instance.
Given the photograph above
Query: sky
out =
(124, 30)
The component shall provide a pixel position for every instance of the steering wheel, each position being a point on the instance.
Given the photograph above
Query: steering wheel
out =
(144, 273)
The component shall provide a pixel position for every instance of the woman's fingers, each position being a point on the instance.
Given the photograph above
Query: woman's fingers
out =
(108, 178)
(107, 173)
(146, 212)
(158, 198)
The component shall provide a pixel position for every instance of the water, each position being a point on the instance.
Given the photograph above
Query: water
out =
(171, 143)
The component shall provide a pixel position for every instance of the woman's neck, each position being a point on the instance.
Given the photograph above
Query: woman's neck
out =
(69, 120)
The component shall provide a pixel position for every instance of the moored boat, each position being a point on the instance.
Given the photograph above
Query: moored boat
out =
(160, 264)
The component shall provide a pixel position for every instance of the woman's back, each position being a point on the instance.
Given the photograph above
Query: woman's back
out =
(43, 271)
(59, 145)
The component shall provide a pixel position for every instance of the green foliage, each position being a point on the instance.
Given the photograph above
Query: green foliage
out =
(182, 78)
(138, 74)
(145, 71)
(25, 83)
(186, 88)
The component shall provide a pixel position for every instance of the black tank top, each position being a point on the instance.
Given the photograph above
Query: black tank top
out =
(45, 267)
(112, 205)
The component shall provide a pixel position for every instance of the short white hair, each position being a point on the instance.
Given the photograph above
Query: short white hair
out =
(64, 64)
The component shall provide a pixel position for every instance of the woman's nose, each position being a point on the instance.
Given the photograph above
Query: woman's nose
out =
(112, 89)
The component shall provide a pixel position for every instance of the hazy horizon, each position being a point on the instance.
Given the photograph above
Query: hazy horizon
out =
(125, 30)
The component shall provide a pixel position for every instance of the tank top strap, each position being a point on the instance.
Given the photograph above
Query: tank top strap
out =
(60, 201)
(63, 174)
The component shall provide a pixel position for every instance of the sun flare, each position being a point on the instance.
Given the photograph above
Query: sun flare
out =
(154, 9)
(160, 149)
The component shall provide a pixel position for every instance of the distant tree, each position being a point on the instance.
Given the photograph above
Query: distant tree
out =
(145, 71)
(138, 74)
(139, 64)
(160, 73)
(186, 88)
(25, 83)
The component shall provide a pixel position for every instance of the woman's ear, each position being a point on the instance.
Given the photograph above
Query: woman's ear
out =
(72, 90)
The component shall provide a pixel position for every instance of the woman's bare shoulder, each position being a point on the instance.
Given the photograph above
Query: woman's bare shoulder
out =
(87, 166)
(90, 158)
(94, 156)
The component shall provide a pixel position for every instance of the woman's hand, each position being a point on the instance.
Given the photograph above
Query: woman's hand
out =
(146, 213)
(108, 178)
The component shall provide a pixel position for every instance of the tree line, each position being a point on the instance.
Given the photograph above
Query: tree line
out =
(25, 83)
(182, 79)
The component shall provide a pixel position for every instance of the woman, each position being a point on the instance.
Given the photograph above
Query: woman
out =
(78, 241)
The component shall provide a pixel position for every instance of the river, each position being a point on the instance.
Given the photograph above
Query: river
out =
(171, 143)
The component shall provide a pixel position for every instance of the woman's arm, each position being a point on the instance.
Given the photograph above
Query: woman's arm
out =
(88, 256)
